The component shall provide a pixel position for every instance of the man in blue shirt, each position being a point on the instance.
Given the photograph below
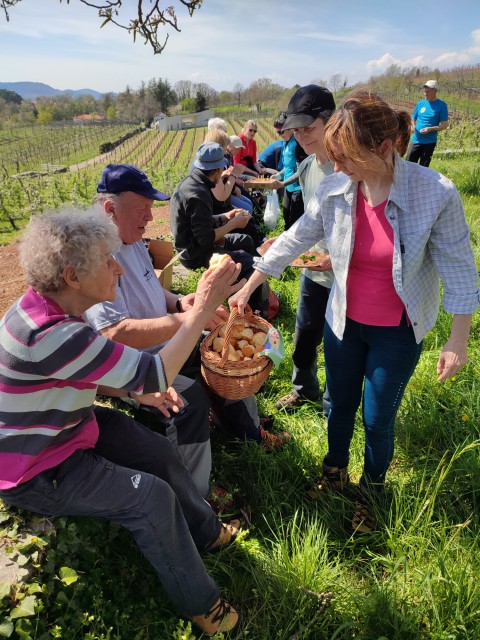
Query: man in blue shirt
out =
(430, 116)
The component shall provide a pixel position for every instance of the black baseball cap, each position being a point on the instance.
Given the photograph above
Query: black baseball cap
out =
(306, 104)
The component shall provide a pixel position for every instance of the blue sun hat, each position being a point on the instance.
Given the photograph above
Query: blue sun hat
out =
(210, 155)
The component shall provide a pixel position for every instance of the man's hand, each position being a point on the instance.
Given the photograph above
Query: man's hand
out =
(239, 218)
(218, 316)
(167, 402)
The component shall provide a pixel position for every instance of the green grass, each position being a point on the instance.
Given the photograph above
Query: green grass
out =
(415, 579)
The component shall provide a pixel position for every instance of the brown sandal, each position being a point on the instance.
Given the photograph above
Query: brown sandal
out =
(227, 536)
(222, 617)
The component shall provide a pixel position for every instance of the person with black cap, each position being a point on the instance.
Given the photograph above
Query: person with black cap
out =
(429, 117)
(308, 111)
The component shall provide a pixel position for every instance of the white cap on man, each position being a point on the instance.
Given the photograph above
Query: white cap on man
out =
(236, 142)
(431, 84)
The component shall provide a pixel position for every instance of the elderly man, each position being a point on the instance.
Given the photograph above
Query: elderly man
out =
(430, 116)
(146, 316)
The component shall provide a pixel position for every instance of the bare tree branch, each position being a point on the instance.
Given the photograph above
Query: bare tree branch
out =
(146, 24)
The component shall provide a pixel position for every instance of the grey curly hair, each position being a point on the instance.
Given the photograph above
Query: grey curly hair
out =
(68, 237)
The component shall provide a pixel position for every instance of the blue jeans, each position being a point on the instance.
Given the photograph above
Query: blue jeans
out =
(242, 202)
(309, 324)
(379, 360)
(133, 477)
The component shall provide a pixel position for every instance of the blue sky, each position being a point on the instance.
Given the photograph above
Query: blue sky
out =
(238, 41)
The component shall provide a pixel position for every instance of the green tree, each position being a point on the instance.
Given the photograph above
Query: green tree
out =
(45, 116)
(189, 105)
(163, 94)
(200, 102)
(111, 113)
(10, 96)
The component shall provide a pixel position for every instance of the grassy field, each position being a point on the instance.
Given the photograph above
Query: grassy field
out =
(414, 579)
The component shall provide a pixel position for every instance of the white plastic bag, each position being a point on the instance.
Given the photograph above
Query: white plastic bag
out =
(272, 211)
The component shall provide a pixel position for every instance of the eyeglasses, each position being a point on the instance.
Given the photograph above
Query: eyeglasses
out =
(252, 131)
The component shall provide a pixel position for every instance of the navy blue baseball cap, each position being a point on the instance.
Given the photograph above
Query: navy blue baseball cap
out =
(117, 178)
(210, 155)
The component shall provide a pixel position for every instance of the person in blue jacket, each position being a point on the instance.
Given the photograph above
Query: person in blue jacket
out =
(430, 116)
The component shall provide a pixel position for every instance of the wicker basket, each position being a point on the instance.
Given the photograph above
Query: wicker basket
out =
(230, 379)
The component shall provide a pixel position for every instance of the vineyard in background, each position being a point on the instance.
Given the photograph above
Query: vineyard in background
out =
(31, 158)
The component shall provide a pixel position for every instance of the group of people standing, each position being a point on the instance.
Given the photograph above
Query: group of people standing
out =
(96, 320)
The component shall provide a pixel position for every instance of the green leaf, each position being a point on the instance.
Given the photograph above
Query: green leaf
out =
(4, 590)
(25, 609)
(6, 628)
(68, 576)
(34, 588)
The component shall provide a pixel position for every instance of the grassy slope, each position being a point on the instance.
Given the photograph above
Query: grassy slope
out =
(416, 578)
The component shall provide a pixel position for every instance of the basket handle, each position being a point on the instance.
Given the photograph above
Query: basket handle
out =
(228, 332)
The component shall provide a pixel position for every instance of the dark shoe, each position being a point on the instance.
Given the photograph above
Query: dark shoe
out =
(220, 499)
(274, 441)
(363, 520)
(334, 479)
(227, 536)
(222, 617)
(291, 401)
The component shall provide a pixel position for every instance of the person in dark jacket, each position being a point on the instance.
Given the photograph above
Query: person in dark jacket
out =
(197, 231)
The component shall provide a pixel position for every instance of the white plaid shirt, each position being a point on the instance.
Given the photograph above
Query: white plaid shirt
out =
(431, 241)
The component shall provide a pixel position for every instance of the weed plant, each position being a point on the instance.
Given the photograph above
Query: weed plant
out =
(416, 578)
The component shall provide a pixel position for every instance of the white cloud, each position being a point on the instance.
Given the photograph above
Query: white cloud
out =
(441, 60)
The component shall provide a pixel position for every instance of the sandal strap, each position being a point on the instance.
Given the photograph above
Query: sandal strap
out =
(219, 612)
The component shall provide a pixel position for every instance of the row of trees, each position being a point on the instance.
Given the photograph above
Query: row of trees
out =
(185, 96)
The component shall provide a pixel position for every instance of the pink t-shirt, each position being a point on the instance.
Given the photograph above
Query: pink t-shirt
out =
(371, 296)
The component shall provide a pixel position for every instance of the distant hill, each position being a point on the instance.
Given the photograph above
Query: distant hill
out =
(32, 90)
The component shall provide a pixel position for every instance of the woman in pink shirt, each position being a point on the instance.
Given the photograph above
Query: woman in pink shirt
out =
(393, 230)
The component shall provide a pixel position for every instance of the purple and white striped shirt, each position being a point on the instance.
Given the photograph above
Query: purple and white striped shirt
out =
(50, 366)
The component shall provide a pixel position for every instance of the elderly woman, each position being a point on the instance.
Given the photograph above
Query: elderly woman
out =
(61, 455)
(392, 228)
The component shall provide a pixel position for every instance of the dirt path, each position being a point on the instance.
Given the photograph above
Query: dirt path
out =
(12, 279)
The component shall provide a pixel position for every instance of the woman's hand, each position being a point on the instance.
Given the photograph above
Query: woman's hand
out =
(167, 402)
(325, 265)
(454, 354)
(452, 358)
(265, 246)
(240, 299)
(218, 316)
(216, 285)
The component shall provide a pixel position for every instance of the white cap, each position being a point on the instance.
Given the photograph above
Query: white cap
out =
(431, 84)
(236, 142)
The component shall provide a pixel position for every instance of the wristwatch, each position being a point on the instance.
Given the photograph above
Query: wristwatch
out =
(178, 304)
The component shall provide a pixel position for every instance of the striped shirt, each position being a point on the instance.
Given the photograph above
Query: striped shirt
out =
(50, 366)
(431, 242)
